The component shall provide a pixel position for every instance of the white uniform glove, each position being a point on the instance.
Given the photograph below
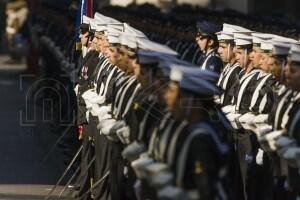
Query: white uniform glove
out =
(270, 139)
(97, 100)
(102, 112)
(259, 157)
(106, 125)
(233, 117)
(246, 120)
(76, 89)
(262, 129)
(124, 134)
(87, 96)
(261, 119)
(228, 109)
(139, 165)
(93, 109)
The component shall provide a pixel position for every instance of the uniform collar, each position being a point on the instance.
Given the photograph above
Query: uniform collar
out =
(211, 51)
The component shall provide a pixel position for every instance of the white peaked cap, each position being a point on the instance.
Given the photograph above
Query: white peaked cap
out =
(266, 45)
(101, 28)
(112, 31)
(176, 74)
(228, 31)
(117, 26)
(150, 56)
(280, 48)
(113, 38)
(234, 28)
(225, 36)
(93, 24)
(242, 39)
(104, 19)
(146, 44)
(259, 37)
(86, 20)
(285, 39)
(128, 40)
(282, 45)
(295, 52)
(130, 30)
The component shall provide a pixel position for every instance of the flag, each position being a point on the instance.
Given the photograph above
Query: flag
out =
(85, 7)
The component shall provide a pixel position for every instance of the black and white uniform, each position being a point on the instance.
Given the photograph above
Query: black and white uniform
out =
(211, 61)
(228, 77)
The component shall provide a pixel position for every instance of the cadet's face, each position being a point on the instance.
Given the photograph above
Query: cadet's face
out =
(104, 45)
(264, 62)
(275, 67)
(170, 96)
(127, 64)
(202, 42)
(255, 56)
(160, 85)
(135, 67)
(94, 44)
(183, 104)
(292, 75)
(112, 55)
(124, 59)
(99, 44)
(225, 51)
(84, 38)
(144, 77)
(242, 57)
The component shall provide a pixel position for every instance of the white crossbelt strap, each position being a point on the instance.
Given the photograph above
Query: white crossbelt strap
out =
(279, 108)
(131, 81)
(180, 166)
(163, 139)
(137, 88)
(257, 90)
(154, 134)
(143, 123)
(223, 74)
(108, 80)
(119, 93)
(204, 63)
(244, 81)
(263, 103)
(203, 129)
(172, 146)
(224, 85)
(285, 117)
(104, 63)
(295, 121)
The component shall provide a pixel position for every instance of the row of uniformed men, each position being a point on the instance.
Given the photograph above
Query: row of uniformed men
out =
(150, 120)
(261, 100)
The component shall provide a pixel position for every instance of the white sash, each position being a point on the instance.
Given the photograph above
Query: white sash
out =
(286, 116)
(279, 108)
(244, 82)
(257, 90)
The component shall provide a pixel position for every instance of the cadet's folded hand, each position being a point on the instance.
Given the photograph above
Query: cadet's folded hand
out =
(124, 134)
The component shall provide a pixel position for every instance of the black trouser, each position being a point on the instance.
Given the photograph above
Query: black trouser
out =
(86, 157)
(244, 152)
(257, 179)
(260, 177)
(102, 165)
(118, 182)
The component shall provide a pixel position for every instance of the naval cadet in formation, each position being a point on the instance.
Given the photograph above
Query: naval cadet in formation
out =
(154, 126)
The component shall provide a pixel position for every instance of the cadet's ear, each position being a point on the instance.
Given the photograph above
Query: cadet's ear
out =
(211, 42)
